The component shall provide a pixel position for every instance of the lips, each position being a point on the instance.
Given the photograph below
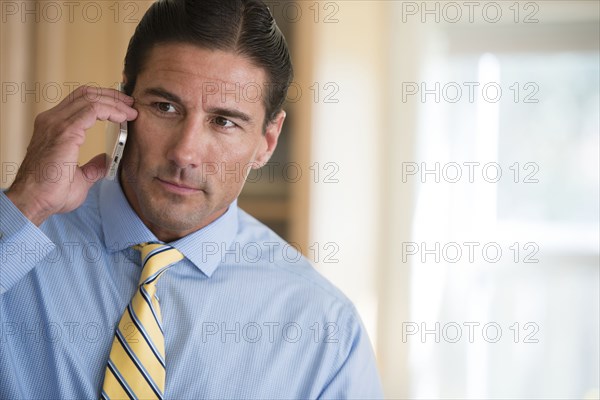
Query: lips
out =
(177, 187)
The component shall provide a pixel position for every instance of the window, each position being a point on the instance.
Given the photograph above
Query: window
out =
(505, 273)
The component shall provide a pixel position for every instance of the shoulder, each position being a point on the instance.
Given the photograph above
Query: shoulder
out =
(279, 261)
(325, 321)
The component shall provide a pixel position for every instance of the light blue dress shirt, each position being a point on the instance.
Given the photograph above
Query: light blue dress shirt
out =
(245, 315)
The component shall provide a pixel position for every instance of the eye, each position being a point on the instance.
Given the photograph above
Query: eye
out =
(224, 122)
(166, 108)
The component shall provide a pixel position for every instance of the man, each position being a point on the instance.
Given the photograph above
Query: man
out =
(93, 301)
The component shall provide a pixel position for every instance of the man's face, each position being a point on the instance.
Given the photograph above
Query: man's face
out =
(198, 132)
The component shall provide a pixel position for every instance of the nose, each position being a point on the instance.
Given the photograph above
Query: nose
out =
(185, 148)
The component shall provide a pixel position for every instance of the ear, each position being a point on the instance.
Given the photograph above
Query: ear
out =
(270, 138)
(124, 81)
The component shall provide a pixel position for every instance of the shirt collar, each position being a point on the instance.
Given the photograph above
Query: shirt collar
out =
(123, 228)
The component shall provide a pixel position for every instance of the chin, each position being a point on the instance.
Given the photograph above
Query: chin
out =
(174, 218)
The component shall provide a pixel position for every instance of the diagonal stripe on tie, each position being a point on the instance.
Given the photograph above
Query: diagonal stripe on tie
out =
(129, 376)
(136, 366)
(120, 390)
(138, 336)
(150, 371)
(148, 298)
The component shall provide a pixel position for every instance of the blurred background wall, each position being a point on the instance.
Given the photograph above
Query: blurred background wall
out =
(439, 164)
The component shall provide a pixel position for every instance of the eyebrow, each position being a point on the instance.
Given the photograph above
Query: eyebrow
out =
(230, 113)
(163, 93)
(225, 112)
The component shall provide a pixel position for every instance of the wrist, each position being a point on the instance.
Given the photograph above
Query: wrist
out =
(30, 208)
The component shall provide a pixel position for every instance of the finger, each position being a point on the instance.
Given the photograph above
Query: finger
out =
(94, 94)
(103, 104)
(76, 94)
(107, 100)
(88, 113)
(128, 109)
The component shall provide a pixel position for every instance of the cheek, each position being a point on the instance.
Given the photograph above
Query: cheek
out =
(235, 164)
(238, 158)
(247, 150)
(138, 151)
(145, 138)
(228, 151)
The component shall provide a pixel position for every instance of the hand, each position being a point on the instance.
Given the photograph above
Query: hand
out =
(57, 137)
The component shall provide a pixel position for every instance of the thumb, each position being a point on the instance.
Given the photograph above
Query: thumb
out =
(95, 169)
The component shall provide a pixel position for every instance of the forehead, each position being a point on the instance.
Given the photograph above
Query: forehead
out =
(199, 74)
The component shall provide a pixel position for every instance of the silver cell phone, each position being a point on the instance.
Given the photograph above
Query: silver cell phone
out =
(117, 134)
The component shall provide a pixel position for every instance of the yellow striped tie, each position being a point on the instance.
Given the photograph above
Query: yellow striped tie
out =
(136, 366)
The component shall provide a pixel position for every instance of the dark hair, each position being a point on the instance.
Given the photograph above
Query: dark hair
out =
(245, 27)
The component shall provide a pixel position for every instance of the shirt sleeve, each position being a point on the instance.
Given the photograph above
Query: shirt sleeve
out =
(22, 244)
(355, 375)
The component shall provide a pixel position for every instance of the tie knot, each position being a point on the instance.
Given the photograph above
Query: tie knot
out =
(156, 258)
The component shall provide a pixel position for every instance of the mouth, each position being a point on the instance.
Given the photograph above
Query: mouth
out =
(177, 187)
